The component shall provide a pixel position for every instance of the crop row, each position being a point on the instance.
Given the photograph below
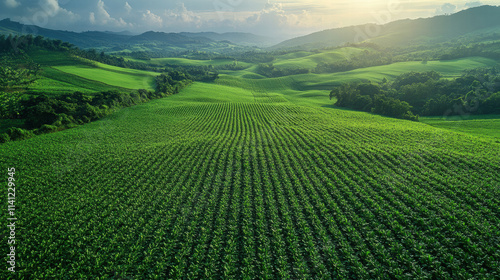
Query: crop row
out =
(255, 191)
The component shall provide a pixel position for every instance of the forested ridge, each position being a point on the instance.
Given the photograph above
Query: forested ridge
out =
(411, 94)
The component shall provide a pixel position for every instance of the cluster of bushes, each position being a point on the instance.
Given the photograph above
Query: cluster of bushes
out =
(232, 66)
(141, 55)
(270, 71)
(114, 60)
(17, 43)
(45, 114)
(172, 82)
(205, 73)
(427, 94)
(14, 74)
(255, 57)
(370, 97)
(9, 105)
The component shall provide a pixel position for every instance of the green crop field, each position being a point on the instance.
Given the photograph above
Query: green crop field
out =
(225, 182)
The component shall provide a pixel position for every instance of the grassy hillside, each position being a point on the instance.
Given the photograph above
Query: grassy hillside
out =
(188, 62)
(111, 75)
(312, 59)
(404, 32)
(221, 182)
(63, 72)
(54, 81)
(486, 125)
(249, 78)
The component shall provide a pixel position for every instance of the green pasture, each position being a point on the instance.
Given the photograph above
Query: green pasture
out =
(483, 125)
(187, 62)
(114, 76)
(310, 60)
(312, 81)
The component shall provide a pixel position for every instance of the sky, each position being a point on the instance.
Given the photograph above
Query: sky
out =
(281, 18)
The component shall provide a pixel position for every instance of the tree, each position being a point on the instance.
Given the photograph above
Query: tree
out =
(14, 75)
(492, 104)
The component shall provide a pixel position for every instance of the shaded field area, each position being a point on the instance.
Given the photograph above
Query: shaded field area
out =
(219, 182)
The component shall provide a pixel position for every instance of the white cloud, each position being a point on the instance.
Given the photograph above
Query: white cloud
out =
(446, 8)
(473, 4)
(152, 20)
(102, 17)
(48, 12)
(273, 19)
(275, 15)
(128, 7)
(271, 15)
(12, 3)
(181, 15)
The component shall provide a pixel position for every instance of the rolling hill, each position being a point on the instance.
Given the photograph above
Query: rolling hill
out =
(404, 32)
(89, 39)
(169, 38)
(240, 38)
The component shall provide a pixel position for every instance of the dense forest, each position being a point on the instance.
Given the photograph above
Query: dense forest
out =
(426, 94)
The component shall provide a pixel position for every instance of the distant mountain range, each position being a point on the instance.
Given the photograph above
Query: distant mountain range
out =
(96, 39)
(484, 19)
(244, 39)
(84, 39)
(404, 32)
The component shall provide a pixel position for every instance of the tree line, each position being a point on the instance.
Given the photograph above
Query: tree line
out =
(416, 94)
(45, 114)
(271, 71)
(368, 58)
(22, 44)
